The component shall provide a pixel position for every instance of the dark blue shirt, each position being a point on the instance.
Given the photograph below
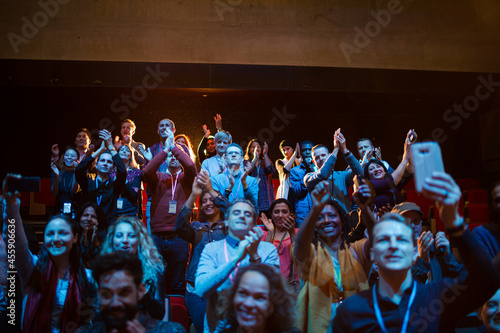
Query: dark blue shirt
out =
(438, 305)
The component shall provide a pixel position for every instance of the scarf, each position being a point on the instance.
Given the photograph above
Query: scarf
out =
(40, 302)
(320, 289)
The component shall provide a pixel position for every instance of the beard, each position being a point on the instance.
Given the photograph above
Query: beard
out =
(119, 323)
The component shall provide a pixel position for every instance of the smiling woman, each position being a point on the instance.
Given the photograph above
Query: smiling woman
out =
(259, 301)
(388, 186)
(331, 268)
(128, 235)
(55, 284)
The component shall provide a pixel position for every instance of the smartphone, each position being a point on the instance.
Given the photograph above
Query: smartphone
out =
(426, 160)
(412, 137)
(24, 184)
(358, 180)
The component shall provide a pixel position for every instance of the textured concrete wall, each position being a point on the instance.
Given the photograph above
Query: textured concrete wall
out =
(451, 35)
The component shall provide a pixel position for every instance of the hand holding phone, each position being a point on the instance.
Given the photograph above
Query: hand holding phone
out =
(426, 160)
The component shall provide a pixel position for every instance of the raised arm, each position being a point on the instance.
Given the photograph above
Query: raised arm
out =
(121, 174)
(84, 165)
(24, 261)
(218, 122)
(363, 197)
(54, 189)
(139, 157)
(285, 168)
(132, 189)
(187, 163)
(268, 165)
(302, 249)
(250, 187)
(398, 173)
(183, 226)
(313, 178)
(269, 226)
(203, 145)
(148, 156)
(108, 138)
(481, 280)
(149, 171)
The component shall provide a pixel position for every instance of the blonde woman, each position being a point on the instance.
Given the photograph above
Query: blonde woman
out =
(128, 234)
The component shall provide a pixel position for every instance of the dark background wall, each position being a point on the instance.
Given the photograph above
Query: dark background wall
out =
(47, 102)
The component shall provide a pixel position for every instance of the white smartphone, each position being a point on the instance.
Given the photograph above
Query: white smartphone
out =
(426, 159)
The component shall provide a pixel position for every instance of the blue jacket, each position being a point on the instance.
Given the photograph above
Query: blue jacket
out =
(299, 193)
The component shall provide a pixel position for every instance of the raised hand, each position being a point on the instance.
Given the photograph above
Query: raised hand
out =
(170, 137)
(320, 194)
(196, 189)
(384, 210)
(336, 143)
(378, 154)
(297, 151)
(148, 155)
(90, 150)
(54, 168)
(106, 136)
(365, 158)
(442, 188)
(206, 130)
(118, 142)
(425, 241)
(218, 122)
(247, 168)
(204, 180)
(253, 237)
(362, 196)
(11, 198)
(409, 139)
(267, 222)
(55, 152)
(289, 224)
(407, 145)
(339, 137)
(442, 242)
(266, 149)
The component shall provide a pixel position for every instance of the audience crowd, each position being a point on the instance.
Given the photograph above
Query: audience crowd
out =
(327, 250)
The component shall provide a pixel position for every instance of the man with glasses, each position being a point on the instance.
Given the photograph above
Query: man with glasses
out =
(435, 260)
(234, 182)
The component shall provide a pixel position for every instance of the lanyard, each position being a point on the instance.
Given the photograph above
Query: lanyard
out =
(378, 314)
(231, 276)
(237, 191)
(281, 241)
(174, 185)
(99, 198)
